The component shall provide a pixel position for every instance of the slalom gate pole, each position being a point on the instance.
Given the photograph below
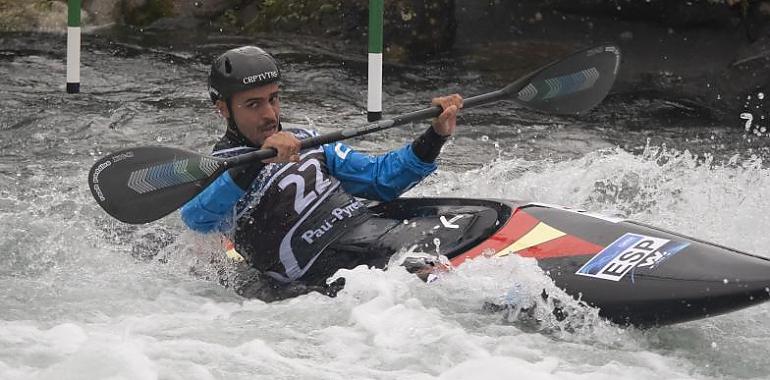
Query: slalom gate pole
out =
(73, 46)
(374, 90)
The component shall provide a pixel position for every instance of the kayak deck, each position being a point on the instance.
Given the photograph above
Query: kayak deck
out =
(635, 274)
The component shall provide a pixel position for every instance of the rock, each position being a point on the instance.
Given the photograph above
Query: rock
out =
(100, 12)
(205, 8)
(175, 24)
(314, 17)
(144, 12)
(421, 28)
(414, 29)
(33, 15)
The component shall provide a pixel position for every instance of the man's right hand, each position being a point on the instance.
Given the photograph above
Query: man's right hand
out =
(286, 144)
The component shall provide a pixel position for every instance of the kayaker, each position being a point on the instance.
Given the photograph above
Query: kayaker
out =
(283, 213)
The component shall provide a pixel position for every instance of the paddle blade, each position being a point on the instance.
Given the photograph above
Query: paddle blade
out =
(144, 184)
(572, 85)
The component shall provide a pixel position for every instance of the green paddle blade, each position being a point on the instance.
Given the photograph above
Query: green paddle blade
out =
(144, 184)
(571, 86)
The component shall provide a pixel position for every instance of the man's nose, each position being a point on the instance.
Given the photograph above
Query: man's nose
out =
(270, 113)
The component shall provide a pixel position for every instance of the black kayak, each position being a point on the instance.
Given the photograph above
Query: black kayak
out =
(635, 274)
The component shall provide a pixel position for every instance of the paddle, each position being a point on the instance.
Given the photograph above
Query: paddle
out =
(140, 185)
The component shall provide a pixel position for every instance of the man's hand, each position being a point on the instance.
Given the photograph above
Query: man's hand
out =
(444, 124)
(286, 144)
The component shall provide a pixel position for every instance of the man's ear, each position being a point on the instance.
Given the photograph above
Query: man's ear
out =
(222, 109)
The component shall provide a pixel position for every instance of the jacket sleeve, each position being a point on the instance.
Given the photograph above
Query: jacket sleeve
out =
(212, 208)
(382, 177)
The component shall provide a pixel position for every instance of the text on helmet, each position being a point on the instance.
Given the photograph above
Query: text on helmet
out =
(260, 77)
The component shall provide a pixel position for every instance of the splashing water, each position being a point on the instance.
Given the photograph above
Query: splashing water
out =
(85, 297)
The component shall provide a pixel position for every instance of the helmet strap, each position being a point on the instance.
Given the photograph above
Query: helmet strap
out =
(232, 127)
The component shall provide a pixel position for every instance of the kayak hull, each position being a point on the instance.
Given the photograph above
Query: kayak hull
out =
(633, 273)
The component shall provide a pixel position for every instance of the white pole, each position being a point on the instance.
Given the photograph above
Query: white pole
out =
(73, 47)
(374, 90)
(374, 98)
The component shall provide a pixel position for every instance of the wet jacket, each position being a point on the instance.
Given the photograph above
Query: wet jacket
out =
(292, 211)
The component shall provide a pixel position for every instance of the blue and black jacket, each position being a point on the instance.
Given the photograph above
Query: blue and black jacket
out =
(288, 214)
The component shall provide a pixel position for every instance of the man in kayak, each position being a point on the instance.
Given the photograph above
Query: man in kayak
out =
(282, 214)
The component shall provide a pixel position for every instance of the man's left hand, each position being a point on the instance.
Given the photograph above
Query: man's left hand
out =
(444, 124)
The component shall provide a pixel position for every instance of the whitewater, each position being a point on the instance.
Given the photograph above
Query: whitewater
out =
(83, 296)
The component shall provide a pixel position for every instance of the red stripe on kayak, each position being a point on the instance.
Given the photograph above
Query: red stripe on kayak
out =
(517, 226)
(564, 246)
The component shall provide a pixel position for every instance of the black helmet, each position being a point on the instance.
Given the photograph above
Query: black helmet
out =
(241, 69)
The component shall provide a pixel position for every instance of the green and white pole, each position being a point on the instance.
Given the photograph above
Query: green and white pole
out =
(73, 47)
(374, 91)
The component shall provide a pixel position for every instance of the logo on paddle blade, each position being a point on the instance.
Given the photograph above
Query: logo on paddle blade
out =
(628, 253)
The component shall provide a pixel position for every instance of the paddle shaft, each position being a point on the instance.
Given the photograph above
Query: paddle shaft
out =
(147, 183)
(366, 129)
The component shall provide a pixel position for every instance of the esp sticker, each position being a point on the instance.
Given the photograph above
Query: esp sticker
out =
(628, 252)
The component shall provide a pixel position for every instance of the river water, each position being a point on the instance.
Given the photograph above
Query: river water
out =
(83, 296)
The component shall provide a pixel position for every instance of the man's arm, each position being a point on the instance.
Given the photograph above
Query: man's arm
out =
(209, 210)
(386, 176)
(212, 209)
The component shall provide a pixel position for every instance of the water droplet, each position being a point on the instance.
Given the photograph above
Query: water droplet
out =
(489, 252)
(749, 118)
(725, 281)
(713, 344)
(761, 95)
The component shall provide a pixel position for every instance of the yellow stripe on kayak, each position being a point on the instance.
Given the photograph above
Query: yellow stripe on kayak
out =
(540, 234)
